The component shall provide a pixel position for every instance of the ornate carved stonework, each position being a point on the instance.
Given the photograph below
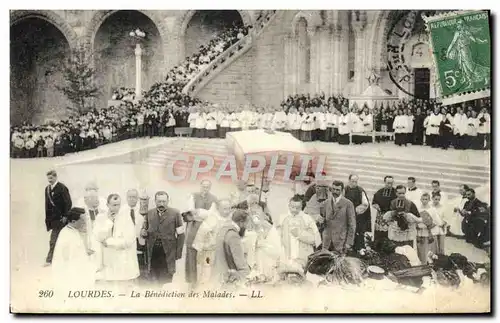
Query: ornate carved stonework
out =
(373, 78)
(358, 20)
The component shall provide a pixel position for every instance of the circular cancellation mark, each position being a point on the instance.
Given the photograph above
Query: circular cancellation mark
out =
(399, 71)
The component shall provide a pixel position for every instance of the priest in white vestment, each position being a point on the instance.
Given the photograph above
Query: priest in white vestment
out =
(344, 125)
(432, 130)
(204, 241)
(299, 234)
(93, 205)
(71, 262)
(268, 250)
(116, 232)
(279, 121)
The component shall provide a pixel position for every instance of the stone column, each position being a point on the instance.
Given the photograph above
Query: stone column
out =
(138, 71)
(314, 73)
(171, 45)
(294, 65)
(358, 23)
(339, 60)
(325, 61)
(289, 69)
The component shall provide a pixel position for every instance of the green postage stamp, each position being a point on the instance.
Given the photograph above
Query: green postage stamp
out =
(461, 48)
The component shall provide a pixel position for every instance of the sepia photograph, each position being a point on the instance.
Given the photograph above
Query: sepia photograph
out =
(250, 161)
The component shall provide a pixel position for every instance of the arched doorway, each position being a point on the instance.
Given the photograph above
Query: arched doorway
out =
(207, 24)
(114, 53)
(37, 48)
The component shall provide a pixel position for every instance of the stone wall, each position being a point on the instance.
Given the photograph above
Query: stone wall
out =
(268, 66)
(115, 58)
(233, 85)
(36, 50)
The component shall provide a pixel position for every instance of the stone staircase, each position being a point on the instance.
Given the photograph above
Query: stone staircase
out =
(230, 55)
(339, 165)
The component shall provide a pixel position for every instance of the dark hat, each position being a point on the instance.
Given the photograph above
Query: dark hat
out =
(75, 213)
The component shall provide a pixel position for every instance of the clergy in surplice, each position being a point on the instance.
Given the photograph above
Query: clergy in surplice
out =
(200, 204)
(358, 197)
(204, 242)
(402, 218)
(433, 125)
(299, 234)
(344, 125)
(116, 233)
(382, 203)
(268, 249)
(93, 206)
(71, 262)
(279, 120)
(413, 193)
(133, 209)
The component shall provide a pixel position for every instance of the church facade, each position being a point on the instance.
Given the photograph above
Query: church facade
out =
(318, 51)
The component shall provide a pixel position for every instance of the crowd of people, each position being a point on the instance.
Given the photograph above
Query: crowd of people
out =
(151, 115)
(233, 239)
(465, 126)
(308, 117)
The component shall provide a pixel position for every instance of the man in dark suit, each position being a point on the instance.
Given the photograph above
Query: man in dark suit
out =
(357, 195)
(340, 219)
(57, 204)
(476, 221)
(163, 229)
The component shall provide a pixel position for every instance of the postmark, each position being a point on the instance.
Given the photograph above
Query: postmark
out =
(400, 32)
(461, 52)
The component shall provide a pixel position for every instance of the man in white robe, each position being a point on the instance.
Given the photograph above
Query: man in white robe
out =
(268, 250)
(93, 206)
(413, 193)
(460, 125)
(452, 216)
(133, 209)
(204, 241)
(299, 234)
(432, 130)
(200, 204)
(91, 199)
(344, 125)
(293, 125)
(484, 129)
(240, 194)
(116, 232)
(279, 120)
(200, 124)
(72, 265)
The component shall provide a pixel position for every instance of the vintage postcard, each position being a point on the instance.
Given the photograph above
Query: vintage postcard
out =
(250, 161)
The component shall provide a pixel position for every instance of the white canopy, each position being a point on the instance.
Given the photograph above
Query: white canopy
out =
(370, 96)
(261, 142)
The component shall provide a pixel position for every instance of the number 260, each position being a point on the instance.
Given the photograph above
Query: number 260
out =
(45, 293)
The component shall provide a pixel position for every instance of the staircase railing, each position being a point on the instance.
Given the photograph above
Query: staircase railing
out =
(229, 55)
